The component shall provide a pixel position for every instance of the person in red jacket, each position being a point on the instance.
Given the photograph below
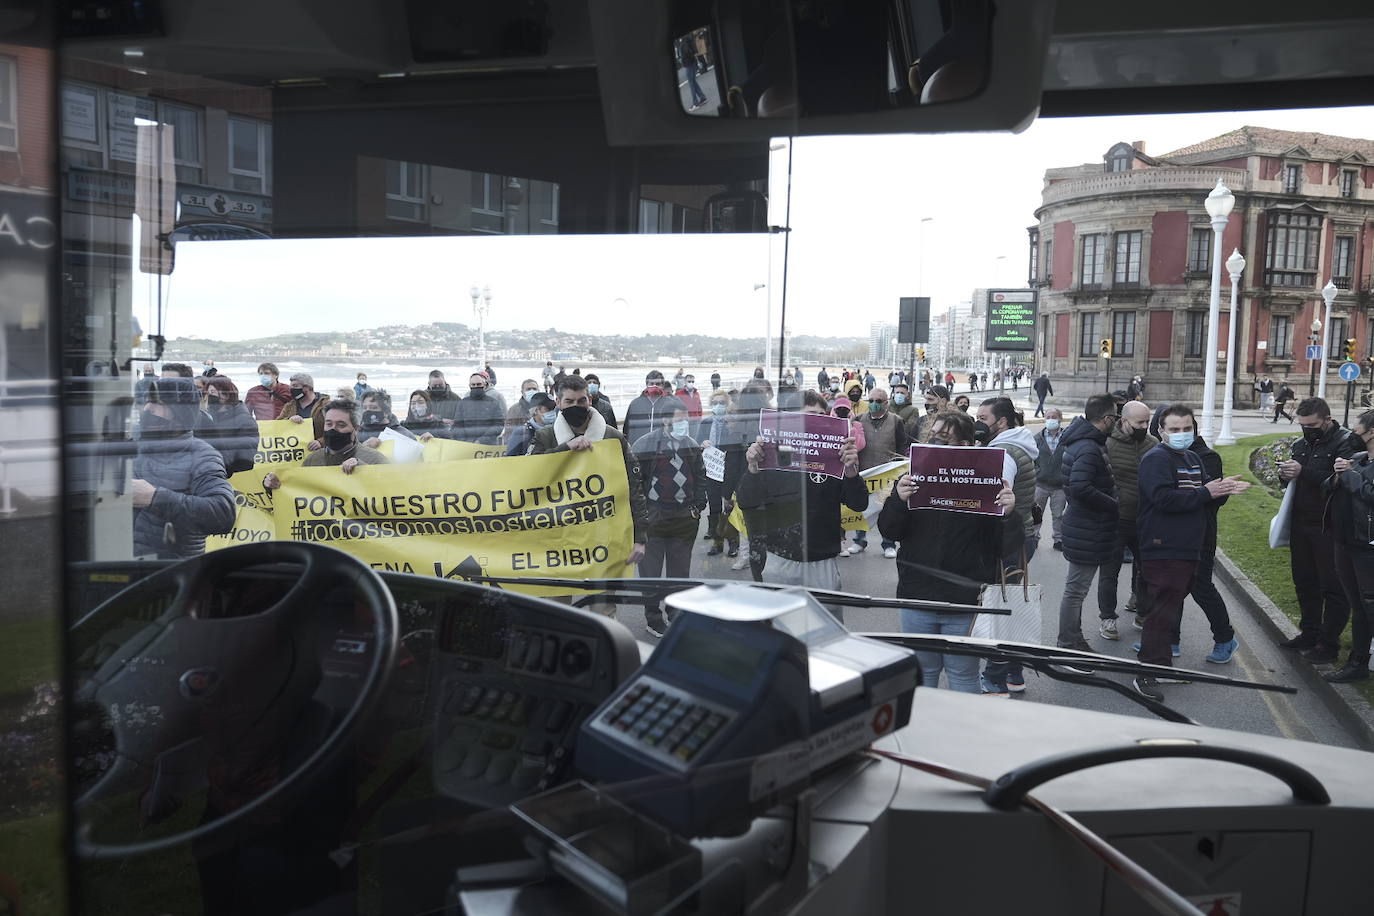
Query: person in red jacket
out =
(689, 396)
(266, 399)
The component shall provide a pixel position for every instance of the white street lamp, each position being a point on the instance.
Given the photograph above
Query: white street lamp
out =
(1329, 294)
(1219, 204)
(481, 305)
(1235, 265)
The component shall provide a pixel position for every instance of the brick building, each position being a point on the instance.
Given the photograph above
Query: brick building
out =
(1123, 248)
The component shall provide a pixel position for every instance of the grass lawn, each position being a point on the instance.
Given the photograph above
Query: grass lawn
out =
(31, 856)
(1243, 533)
(28, 654)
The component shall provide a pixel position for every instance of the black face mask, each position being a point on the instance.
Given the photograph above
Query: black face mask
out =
(577, 416)
(439, 390)
(297, 393)
(373, 419)
(155, 427)
(982, 432)
(478, 393)
(1312, 435)
(336, 440)
(1138, 435)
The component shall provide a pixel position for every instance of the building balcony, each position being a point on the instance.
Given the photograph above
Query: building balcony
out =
(1341, 282)
(1289, 279)
(1112, 184)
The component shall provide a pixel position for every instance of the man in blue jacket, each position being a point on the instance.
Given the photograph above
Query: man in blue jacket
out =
(1171, 523)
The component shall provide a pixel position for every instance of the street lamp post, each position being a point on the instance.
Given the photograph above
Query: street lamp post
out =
(1219, 204)
(1235, 265)
(1328, 294)
(481, 304)
(1315, 336)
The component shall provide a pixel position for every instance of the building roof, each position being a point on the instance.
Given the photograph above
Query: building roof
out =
(1250, 140)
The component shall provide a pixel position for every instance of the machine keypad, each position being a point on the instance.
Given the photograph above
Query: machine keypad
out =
(665, 721)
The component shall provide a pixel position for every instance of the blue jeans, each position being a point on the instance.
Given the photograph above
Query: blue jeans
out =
(960, 670)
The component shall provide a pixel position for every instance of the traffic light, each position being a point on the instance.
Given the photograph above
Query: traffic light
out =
(1106, 351)
(1350, 349)
(921, 353)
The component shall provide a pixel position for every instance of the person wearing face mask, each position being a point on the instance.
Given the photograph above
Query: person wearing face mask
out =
(902, 407)
(599, 400)
(918, 425)
(180, 490)
(1128, 442)
(715, 381)
(577, 427)
(519, 412)
(718, 430)
(479, 417)
(360, 386)
(796, 515)
(1090, 521)
(1049, 473)
(1043, 389)
(961, 403)
(642, 416)
(946, 556)
(342, 449)
(542, 413)
(1351, 508)
(688, 395)
(854, 390)
(227, 425)
(1175, 492)
(442, 399)
(377, 417)
(673, 479)
(1323, 602)
(884, 438)
(421, 420)
(306, 404)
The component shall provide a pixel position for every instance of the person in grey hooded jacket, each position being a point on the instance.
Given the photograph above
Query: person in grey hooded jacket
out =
(180, 490)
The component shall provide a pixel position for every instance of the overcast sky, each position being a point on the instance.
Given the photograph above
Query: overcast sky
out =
(857, 245)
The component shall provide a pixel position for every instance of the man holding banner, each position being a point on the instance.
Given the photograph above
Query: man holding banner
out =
(341, 446)
(797, 511)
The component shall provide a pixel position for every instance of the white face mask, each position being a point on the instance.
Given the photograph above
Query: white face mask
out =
(1051, 424)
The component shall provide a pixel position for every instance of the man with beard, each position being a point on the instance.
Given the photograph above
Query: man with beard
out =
(180, 490)
(480, 417)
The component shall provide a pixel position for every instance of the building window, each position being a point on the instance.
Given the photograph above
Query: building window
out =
(1343, 261)
(1049, 260)
(1044, 335)
(1123, 333)
(406, 191)
(1290, 256)
(248, 156)
(1127, 268)
(1197, 334)
(1339, 325)
(544, 202)
(1087, 334)
(1090, 267)
(81, 127)
(1292, 178)
(1200, 251)
(1033, 269)
(185, 124)
(651, 216)
(1121, 162)
(1281, 337)
(488, 213)
(9, 105)
(1348, 178)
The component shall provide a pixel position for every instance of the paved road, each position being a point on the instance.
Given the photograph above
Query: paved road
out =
(1303, 716)
(707, 83)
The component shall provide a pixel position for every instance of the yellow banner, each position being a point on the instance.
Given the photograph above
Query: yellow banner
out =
(453, 450)
(281, 444)
(564, 515)
(879, 481)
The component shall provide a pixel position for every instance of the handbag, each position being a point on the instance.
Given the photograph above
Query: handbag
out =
(1280, 524)
(1023, 624)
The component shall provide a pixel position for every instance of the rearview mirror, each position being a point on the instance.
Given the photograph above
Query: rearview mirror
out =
(690, 72)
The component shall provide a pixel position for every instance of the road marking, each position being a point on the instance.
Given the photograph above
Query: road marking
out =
(1279, 704)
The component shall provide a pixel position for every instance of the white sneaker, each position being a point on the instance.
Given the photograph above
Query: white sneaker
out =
(741, 563)
(890, 553)
(1108, 629)
(857, 548)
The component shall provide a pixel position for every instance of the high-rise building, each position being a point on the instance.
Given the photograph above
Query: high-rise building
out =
(1123, 249)
(882, 344)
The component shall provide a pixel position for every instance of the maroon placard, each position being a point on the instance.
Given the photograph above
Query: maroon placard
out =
(802, 442)
(957, 479)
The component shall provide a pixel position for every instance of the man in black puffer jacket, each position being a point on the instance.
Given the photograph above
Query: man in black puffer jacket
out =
(180, 491)
(1091, 517)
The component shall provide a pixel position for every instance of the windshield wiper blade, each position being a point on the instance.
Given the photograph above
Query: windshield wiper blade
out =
(658, 586)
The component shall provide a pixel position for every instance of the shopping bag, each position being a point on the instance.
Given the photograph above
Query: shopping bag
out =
(1282, 520)
(1021, 598)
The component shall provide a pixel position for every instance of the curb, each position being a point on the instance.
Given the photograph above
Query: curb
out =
(1347, 704)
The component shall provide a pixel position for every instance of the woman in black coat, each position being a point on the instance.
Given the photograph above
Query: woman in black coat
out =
(231, 429)
(946, 556)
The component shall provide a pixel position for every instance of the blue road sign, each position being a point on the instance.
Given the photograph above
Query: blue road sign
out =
(1314, 352)
(1350, 371)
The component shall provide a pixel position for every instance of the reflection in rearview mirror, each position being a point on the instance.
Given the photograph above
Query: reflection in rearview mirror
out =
(809, 58)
